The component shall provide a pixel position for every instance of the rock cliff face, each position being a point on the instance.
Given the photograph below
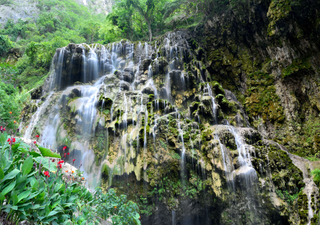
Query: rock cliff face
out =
(196, 131)
(99, 6)
(18, 9)
(267, 52)
(27, 9)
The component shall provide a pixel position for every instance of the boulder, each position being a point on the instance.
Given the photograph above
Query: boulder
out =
(148, 90)
(78, 50)
(36, 93)
(122, 63)
(163, 93)
(76, 92)
(124, 86)
(144, 78)
(126, 77)
(129, 70)
(145, 64)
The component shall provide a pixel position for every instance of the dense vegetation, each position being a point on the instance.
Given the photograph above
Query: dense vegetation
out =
(33, 188)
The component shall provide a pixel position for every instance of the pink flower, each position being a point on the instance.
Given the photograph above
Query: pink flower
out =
(34, 142)
(61, 161)
(37, 136)
(68, 153)
(64, 148)
(74, 160)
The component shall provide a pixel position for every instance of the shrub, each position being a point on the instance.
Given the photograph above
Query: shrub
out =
(5, 44)
(32, 188)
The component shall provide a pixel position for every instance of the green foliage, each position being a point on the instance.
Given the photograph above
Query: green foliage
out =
(261, 99)
(5, 44)
(316, 176)
(6, 2)
(297, 65)
(138, 19)
(27, 194)
(164, 145)
(8, 73)
(10, 101)
(48, 153)
(59, 23)
(286, 196)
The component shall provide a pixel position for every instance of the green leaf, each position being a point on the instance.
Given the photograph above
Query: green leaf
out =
(21, 182)
(34, 184)
(14, 199)
(50, 219)
(68, 204)
(3, 138)
(76, 190)
(33, 195)
(35, 154)
(15, 147)
(9, 188)
(53, 196)
(55, 204)
(1, 174)
(45, 162)
(11, 175)
(23, 195)
(27, 165)
(47, 208)
(36, 206)
(48, 153)
(21, 179)
(52, 213)
(1, 197)
(40, 197)
(7, 164)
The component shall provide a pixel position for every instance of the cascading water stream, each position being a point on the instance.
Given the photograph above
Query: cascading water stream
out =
(227, 164)
(214, 106)
(145, 131)
(35, 118)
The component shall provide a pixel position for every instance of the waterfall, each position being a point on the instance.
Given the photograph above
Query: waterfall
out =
(111, 90)
(244, 155)
(145, 131)
(146, 49)
(227, 164)
(35, 118)
(214, 106)
(60, 65)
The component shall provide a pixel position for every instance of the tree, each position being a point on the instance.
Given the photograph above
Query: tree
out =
(146, 11)
(194, 11)
(109, 33)
(90, 30)
(122, 16)
(136, 17)
(5, 44)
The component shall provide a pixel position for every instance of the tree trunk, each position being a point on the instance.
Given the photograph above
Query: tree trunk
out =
(150, 31)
